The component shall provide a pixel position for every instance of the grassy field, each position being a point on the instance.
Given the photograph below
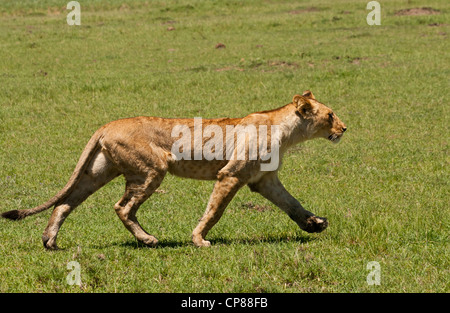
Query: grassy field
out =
(384, 188)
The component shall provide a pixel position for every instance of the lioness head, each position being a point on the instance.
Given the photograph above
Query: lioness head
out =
(320, 119)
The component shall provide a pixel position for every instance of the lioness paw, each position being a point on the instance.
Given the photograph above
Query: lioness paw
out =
(201, 243)
(315, 224)
(150, 241)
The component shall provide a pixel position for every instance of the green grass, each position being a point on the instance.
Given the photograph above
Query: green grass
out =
(384, 188)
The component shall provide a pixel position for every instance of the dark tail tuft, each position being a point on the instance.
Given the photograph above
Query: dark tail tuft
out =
(13, 215)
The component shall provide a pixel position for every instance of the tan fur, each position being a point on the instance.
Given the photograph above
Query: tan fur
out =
(140, 149)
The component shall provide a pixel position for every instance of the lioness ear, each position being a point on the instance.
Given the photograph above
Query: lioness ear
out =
(304, 107)
(296, 99)
(308, 94)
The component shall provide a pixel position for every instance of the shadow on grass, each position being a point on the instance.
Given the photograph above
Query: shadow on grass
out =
(270, 239)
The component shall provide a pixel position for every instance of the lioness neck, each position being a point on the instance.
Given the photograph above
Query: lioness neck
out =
(293, 128)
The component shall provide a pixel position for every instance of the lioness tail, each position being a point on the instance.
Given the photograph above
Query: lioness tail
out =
(85, 158)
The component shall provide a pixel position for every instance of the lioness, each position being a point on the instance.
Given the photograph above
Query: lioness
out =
(142, 149)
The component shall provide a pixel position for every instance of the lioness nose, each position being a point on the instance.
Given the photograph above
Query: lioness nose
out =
(344, 129)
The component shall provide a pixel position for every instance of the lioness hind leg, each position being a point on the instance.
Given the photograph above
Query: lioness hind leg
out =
(137, 191)
(99, 173)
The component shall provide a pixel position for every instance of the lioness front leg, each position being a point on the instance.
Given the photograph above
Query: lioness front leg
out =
(224, 191)
(271, 188)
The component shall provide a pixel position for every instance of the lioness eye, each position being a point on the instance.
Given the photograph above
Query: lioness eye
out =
(330, 116)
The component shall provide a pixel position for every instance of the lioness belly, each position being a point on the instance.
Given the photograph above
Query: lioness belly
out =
(205, 170)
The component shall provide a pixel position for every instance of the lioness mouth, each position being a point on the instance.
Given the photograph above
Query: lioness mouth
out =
(334, 137)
